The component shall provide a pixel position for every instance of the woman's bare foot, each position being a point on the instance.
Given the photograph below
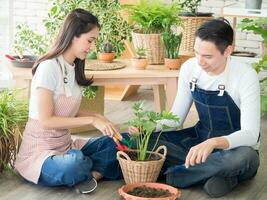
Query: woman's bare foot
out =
(97, 176)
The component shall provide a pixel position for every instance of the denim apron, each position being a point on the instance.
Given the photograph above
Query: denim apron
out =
(218, 116)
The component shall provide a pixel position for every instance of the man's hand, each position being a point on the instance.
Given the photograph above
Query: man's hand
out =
(199, 153)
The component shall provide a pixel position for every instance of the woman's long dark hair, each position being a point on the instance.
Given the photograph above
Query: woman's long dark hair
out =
(77, 22)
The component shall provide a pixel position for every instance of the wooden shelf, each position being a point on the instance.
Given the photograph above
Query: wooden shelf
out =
(120, 92)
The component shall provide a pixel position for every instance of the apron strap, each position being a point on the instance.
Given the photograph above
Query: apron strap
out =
(65, 78)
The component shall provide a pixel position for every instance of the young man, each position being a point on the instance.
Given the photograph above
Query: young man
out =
(221, 149)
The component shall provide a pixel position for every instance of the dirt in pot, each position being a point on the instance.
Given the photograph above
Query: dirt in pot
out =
(144, 191)
(149, 156)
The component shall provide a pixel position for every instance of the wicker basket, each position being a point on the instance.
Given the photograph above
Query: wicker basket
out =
(141, 171)
(190, 25)
(153, 45)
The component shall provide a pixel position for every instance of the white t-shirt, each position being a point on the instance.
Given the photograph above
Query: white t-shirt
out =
(242, 84)
(49, 75)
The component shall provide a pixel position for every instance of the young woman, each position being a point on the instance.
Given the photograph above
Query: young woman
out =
(47, 155)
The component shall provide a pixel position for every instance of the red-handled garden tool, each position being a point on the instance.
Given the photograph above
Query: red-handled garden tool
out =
(122, 143)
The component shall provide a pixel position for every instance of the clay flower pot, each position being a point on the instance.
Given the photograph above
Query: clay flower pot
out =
(139, 63)
(106, 57)
(124, 191)
(172, 64)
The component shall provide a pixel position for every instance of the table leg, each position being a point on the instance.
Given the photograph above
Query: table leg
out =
(159, 97)
(171, 90)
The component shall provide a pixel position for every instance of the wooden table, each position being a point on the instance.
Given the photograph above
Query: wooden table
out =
(163, 81)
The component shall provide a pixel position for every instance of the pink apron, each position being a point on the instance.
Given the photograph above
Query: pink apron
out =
(38, 143)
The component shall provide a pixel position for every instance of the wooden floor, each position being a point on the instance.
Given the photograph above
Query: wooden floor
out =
(16, 188)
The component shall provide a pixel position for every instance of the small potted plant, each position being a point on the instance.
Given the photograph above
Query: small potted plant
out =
(172, 42)
(107, 53)
(140, 62)
(139, 164)
(14, 115)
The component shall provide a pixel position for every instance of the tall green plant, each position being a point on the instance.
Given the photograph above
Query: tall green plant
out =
(146, 122)
(171, 41)
(149, 15)
(189, 6)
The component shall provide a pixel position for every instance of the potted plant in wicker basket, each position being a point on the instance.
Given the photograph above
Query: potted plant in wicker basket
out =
(140, 61)
(107, 53)
(148, 17)
(171, 41)
(13, 116)
(192, 19)
(139, 164)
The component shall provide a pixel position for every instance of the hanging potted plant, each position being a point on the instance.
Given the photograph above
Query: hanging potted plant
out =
(13, 117)
(192, 19)
(139, 164)
(107, 53)
(140, 61)
(171, 43)
(148, 17)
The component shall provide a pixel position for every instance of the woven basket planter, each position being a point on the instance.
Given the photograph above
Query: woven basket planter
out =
(141, 171)
(190, 25)
(153, 45)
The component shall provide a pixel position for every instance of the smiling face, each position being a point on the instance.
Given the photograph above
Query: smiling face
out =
(209, 58)
(83, 44)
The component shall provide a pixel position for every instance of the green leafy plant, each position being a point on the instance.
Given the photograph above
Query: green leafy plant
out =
(146, 122)
(149, 15)
(13, 116)
(262, 66)
(171, 41)
(140, 53)
(257, 26)
(189, 6)
(113, 26)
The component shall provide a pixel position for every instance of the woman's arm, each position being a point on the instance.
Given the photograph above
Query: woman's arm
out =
(49, 121)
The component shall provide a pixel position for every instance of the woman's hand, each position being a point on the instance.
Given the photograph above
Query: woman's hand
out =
(106, 127)
(133, 130)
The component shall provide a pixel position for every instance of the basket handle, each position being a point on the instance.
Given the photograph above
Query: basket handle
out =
(123, 154)
(162, 147)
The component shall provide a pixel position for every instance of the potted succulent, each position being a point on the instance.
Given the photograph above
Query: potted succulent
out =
(138, 164)
(257, 26)
(172, 42)
(148, 17)
(107, 53)
(140, 61)
(13, 117)
(192, 19)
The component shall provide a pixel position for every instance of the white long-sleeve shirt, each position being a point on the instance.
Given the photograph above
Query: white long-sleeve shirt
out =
(242, 85)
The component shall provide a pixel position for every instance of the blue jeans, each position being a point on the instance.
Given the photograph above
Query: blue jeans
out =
(242, 162)
(98, 154)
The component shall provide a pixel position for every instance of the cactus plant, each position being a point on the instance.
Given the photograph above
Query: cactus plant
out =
(107, 47)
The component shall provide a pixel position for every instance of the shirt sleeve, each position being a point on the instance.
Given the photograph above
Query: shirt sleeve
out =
(183, 99)
(249, 92)
(46, 76)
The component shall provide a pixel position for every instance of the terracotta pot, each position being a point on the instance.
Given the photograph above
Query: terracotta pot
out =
(139, 64)
(176, 193)
(173, 64)
(106, 57)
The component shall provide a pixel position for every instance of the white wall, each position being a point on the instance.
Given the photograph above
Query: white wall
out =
(4, 28)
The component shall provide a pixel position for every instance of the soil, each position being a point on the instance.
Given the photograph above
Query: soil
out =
(149, 157)
(144, 191)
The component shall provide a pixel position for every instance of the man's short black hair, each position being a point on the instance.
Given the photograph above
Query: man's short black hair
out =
(217, 31)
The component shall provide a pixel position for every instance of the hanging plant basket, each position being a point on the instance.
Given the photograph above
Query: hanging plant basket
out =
(141, 171)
